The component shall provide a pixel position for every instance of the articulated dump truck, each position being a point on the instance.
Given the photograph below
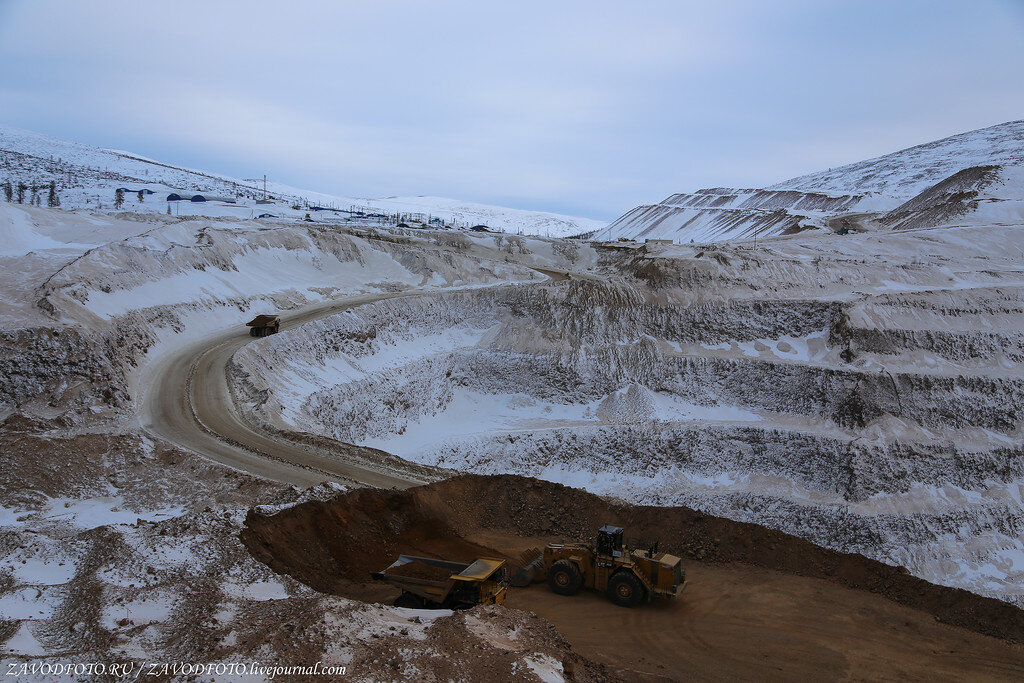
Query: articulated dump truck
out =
(627, 577)
(428, 583)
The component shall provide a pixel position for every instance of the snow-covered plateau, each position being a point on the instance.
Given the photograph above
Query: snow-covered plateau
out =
(859, 385)
(88, 177)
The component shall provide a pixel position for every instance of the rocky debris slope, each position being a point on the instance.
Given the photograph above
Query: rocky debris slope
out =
(115, 549)
(98, 313)
(719, 214)
(866, 396)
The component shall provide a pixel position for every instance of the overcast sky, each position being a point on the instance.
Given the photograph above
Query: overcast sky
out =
(587, 108)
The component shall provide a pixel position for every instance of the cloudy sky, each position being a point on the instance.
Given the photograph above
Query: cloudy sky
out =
(587, 108)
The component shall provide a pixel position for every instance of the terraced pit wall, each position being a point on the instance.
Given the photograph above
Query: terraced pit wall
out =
(911, 467)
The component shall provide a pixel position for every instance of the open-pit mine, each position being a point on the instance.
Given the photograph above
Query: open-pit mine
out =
(812, 393)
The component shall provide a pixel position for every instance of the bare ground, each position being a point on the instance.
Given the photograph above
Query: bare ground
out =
(762, 604)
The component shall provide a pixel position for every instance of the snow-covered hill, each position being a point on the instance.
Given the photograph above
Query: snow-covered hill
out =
(974, 178)
(87, 178)
(910, 171)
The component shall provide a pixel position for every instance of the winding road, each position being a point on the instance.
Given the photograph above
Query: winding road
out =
(188, 403)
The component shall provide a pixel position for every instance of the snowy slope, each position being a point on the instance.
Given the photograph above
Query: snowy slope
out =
(19, 236)
(863, 392)
(88, 176)
(969, 179)
(910, 171)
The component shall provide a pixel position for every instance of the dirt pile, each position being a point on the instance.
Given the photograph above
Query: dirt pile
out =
(333, 546)
(419, 570)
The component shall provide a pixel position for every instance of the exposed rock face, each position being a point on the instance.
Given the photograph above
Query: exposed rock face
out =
(955, 196)
(60, 367)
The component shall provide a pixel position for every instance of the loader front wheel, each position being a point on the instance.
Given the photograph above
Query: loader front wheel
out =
(625, 590)
(564, 578)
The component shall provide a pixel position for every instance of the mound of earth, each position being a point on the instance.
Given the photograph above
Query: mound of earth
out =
(333, 546)
(419, 570)
(759, 603)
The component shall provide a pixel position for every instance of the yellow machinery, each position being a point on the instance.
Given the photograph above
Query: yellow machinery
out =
(481, 582)
(626, 577)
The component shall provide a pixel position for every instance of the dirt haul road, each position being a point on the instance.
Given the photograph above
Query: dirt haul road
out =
(188, 402)
(747, 623)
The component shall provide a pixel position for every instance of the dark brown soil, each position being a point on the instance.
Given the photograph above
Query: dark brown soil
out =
(333, 546)
(759, 604)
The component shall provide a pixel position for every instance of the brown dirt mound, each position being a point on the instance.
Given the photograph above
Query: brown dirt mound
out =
(418, 570)
(333, 546)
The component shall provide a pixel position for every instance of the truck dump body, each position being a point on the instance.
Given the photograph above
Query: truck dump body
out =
(451, 584)
(262, 325)
(263, 321)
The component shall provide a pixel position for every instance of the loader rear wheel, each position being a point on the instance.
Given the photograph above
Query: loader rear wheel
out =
(252, 331)
(564, 578)
(625, 590)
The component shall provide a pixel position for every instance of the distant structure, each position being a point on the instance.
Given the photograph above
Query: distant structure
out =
(196, 197)
(655, 242)
(480, 228)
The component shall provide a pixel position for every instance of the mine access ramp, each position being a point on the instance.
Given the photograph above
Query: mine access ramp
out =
(429, 583)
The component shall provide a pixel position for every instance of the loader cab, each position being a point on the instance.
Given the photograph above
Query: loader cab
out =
(609, 541)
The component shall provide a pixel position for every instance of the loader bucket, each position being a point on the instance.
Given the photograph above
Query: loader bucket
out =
(531, 568)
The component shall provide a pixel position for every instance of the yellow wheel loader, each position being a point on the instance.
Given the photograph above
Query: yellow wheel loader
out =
(627, 577)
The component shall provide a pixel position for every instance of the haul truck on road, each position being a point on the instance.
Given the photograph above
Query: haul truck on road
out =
(626, 577)
(262, 325)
